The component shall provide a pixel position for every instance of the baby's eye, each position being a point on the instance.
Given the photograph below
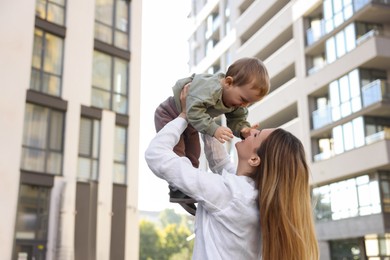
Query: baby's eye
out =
(255, 134)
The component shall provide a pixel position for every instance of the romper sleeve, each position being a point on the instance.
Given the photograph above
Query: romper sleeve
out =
(236, 120)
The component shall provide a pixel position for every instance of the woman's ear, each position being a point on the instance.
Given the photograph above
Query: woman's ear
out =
(254, 161)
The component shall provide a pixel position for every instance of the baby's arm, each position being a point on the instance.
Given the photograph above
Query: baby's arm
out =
(223, 134)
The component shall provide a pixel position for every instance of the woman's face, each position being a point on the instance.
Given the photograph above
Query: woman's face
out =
(246, 148)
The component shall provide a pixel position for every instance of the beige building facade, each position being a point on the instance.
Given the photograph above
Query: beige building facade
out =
(69, 116)
(329, 63)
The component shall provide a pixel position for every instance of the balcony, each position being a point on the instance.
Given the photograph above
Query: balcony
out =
(376, 137)
(375, 91)
(314, 33)
(372, 93)
(359, 4)
(322, 117)
(375, 14)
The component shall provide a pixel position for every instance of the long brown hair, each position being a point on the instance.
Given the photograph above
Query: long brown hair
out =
(286, 214)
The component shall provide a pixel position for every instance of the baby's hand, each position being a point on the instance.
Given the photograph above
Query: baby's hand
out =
(246, 131)
(223, 134)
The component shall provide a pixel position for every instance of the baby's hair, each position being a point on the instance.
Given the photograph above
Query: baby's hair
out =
(245, 70)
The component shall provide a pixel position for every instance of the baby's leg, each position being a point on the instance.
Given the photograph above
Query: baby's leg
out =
(192, 145)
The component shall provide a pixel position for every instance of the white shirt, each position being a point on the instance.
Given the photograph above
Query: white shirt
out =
(227, 223)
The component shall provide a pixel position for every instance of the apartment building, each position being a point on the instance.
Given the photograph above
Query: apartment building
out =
(69, 116)
(329, 63)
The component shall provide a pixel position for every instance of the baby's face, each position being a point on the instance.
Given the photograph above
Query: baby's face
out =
(242, 96)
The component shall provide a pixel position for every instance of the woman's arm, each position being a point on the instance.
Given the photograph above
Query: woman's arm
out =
(217, 156)
(160, 150)
(178, 171)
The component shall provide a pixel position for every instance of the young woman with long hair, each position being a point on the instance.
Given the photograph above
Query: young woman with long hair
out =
(257, 209)
(287, 226)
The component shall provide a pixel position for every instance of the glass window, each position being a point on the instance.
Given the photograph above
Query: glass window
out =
(88, 149)
(120, 154)
(112, 22)
(338, 139)
(51, 11)
(42, 140)
(345, 96)
(330, 50)
(338, 12)
(348, 136)
(110, 83)
(340, 44)
(328, 14)
(358, 131)
(354, 86)
(348, 198)
(335, 100)
(350, 37)
(46, 72)
(348, 9)
(33, 213)
(346, 249)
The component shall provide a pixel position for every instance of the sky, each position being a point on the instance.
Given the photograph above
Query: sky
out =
(165, 52)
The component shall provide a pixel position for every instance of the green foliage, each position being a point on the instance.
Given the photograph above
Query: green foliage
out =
(150, 241)
(170, 241)
(169, 216)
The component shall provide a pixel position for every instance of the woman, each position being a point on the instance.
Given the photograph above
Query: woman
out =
(260, 210)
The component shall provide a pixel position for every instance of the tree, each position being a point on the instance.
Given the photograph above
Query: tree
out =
(169, 216)
(150, 241)
(167, 241)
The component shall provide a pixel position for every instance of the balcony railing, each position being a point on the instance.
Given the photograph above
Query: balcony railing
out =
(382, 135)
(359, 4)
(375, 91)
(323, 156)
(322, 117)
(314, 33)
(366, 36)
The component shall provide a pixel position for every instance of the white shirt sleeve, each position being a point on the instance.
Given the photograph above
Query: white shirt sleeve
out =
(207, 188)
(217, 156)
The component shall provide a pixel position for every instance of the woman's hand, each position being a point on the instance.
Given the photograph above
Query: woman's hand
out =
(183, 97)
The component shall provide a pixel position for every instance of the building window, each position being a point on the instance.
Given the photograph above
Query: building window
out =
(112, 22)
(88, 162)
(348, 38)
(42, 140)
(51, 10)
(347, 249)
(32, 222)
(336, 12)
(345, 97)
(377, 246)
(120, 154)
(349, 94)
(354, 197)
(353, 134)
(348, 136)
(109, 83)
(46, 72)
(370, 247)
